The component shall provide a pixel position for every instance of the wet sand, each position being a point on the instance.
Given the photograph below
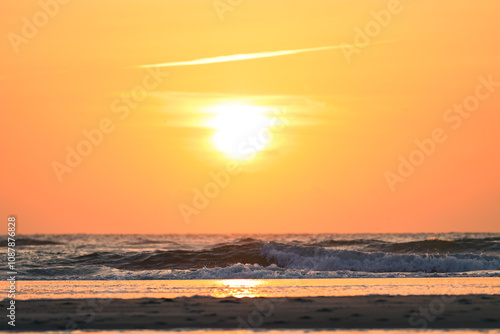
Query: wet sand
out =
(426, 311)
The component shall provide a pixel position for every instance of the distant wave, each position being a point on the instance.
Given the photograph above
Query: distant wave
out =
(294, 256)
(321, 259)
(145, 242)
(355, 242)
(219, 256)
(437, 246)
(29, 242)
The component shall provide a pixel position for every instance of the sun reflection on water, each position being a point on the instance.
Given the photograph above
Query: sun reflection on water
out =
(238, 288)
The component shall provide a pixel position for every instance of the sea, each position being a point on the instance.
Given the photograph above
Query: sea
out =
(284, 256)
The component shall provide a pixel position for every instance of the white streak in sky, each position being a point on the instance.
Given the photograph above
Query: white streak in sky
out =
(245, 56)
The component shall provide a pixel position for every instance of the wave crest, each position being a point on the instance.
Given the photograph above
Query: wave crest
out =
(321, 259)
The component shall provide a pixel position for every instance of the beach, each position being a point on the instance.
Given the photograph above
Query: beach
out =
(362, 312)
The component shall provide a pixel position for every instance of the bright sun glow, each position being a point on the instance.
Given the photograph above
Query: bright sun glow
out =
(239, 288)
(240, 130)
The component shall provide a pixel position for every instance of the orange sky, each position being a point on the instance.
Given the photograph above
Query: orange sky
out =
(347, 115)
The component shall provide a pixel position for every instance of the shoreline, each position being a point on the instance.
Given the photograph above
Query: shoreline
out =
(348, 312)
(270, 288)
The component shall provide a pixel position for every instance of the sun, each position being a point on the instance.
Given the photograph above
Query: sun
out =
(240, 130)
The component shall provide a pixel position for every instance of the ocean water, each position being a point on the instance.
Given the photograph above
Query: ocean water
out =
(297, 331)
(340, 331)
(198, 257)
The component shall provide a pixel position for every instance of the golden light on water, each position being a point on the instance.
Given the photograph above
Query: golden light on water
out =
(272, 288)
(241, 282)
(239, 288)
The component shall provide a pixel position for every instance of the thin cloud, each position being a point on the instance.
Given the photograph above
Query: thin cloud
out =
(245, 56)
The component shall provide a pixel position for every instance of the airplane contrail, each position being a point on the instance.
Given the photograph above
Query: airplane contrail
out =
(245, 56)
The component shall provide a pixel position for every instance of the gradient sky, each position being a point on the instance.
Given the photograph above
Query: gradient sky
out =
(347, 116)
